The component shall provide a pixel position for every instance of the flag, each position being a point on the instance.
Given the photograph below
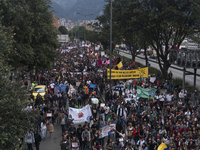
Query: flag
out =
(162, 146)
(119, 65)
(86, 90)
(144, 93)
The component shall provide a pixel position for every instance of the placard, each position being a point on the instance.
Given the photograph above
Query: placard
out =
(102, 105)
(95, 100)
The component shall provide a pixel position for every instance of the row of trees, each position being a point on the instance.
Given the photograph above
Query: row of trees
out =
(81, 33)
(28, 39)
(142, 23)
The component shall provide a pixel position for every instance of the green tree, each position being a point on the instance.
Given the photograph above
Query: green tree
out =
(92, 36)
(14, 121)
(78, 32)
(166, 22)
(35, 36)
(63, 30)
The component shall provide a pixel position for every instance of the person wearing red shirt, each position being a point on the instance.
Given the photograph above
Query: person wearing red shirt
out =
(184, 130)
(136, 130)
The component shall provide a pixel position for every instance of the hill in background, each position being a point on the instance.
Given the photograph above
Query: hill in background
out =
(68, 8)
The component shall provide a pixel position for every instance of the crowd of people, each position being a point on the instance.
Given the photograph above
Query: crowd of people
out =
(171, 117)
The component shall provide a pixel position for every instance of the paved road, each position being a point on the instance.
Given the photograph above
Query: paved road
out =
(176, 73)
(53, 142)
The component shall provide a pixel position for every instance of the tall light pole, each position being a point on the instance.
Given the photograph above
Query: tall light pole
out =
(110, 41)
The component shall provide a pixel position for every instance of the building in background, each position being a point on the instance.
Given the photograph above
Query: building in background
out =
(62, 22)
(56, 21)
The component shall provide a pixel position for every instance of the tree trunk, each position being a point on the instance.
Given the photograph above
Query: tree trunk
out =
(133, 56)
(165, 68)
(145, 52)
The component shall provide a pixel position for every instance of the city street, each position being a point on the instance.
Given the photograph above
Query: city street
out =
(176, 73)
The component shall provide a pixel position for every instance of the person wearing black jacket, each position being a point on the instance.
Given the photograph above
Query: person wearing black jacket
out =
(118, 128)
(37, 140)
(64, 145)
(79, 132)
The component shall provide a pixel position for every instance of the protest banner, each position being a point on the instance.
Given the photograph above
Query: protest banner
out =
(144, 93)
(80, 115)
(128, 74)
(108, 130)
(60, 88)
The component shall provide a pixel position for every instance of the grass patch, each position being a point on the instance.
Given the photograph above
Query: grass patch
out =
(177, 81)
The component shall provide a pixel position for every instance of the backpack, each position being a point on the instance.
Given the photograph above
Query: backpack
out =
(130, 133)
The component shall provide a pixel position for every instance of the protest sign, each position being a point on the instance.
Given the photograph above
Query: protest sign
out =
(128, 74)
(95, 100)
(102, 105)
(93, 86)
(108, 130)
(80, 115)
(102, 53)
(152, 79)
(75, 63)
(60, 88)
(78, 83)
(144, 93)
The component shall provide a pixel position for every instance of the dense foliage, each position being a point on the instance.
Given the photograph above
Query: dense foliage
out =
(155, 22)
(35, 36)
(14, 122)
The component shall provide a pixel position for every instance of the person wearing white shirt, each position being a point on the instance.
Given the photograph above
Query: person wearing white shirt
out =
(140, 143)
(181, 95)
(161, 98)
(107, 109)
(169, 97)
(188, 113)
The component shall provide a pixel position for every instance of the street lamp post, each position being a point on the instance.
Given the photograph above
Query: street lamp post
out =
(85, 24)
(110, 42)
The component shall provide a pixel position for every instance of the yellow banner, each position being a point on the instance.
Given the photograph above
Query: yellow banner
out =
(128, 74)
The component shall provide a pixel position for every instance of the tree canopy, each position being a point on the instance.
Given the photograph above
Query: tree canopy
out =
(63, 30)
(157, 22)
(14, 122)
(34, 35)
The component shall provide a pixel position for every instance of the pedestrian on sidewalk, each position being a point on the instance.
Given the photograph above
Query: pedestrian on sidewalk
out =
(62, 121)
(37, 140)
(29, 139)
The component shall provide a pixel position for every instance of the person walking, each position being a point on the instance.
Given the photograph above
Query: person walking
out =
(29, 139)
(62, 121)
(43, 129)
(85, 137)
(37, 140)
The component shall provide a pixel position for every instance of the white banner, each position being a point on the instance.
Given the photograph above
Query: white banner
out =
(80, 115)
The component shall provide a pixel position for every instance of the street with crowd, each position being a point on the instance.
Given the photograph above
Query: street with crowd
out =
(169, 117)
